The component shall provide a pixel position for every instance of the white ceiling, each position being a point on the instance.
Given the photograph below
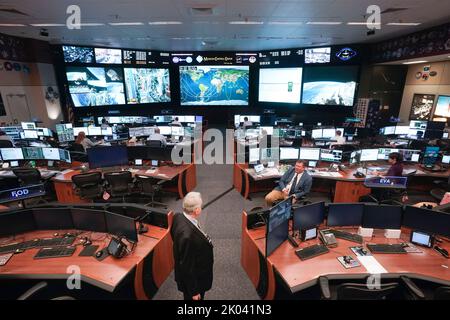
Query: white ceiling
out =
(215, 29)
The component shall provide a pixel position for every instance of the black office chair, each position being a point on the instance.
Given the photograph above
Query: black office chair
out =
(6, 144)
(150, 187)
(154, 143)
(442, 188)
(38, 292)
(442, 293)
(77, 147)
(89, 185)
(28, 176)
(119, 184)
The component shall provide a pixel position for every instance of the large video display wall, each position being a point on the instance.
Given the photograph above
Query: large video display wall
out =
(112, 77)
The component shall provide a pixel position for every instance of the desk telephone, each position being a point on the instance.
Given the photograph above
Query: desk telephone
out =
(327, 238)
(359, 175)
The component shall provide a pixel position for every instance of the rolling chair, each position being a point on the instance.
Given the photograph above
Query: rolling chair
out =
(442, 293)
(28, 176)
(150, 187)
(88, 185)
(360, 291)
(154, 143)
(6, 144)
(442, 188)
(119, 184)
(38, 289)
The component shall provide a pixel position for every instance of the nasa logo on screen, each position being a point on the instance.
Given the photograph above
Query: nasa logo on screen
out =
(252, 59)
(176, 59)
(346, 54)
(189, 60)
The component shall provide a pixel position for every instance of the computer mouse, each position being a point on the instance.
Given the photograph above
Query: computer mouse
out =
(347, 259)
(18, 251)
(98, 254)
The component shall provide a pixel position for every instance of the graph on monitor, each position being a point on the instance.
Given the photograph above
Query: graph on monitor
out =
(280, 85)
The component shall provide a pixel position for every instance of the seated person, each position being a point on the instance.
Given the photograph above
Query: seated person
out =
(338, 138)
(247, 123)
(296, 181)
(86, 142)
(4, 136)
(396, 170)
(157, 136)
(176, 122)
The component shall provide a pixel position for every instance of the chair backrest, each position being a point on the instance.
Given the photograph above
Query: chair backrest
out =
(118, 182)
(154, 143)
(77, 147)
(146, 184)
(89, 184)
(28, 176)
(358, 291)
(6, 144)
(442, 293)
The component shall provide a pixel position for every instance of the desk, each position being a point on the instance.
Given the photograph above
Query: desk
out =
(298, 275)
(185, 175)
(138, 275)
(347, 188)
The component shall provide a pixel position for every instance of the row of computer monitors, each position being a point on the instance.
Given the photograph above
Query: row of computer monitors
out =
(17, 222)
(418, 129)
(324, 133)
(352, 215)
(24, 132)
(157, 119)
(330, 155)
(35, 153)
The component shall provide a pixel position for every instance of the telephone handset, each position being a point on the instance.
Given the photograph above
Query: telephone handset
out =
(333, 167)
(327, 238)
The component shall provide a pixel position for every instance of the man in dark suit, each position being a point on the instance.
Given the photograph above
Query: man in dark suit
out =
(192, 250)
(296, 181)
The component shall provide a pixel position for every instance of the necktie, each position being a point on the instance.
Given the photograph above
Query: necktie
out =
(206, 235)
(294, 183)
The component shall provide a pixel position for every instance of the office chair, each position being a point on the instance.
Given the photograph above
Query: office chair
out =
(77, 147)
(38, 289)
(28, 176)
(154, 143)
(78, 156)
(6, 144)
(88, 185)
(119, 184)
(150, 187)
(442, 293)
(443, 187)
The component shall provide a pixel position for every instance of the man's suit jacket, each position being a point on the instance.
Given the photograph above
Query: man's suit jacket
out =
(302, 187)
(193, 255)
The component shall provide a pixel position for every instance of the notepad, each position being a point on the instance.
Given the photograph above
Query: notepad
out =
(371, 264)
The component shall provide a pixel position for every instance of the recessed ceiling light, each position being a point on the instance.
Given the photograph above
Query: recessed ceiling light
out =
(164, 22)
(245, 22)
(47, 25)
(413, 62)
(12, 25)
(403, 23)
(125, 23)
(285, 23)
(363, 23)
(324, 22)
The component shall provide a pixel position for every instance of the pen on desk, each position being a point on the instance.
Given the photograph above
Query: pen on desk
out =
(444, 266)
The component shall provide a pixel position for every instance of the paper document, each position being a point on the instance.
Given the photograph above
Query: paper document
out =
(371, 264)
(66, 171)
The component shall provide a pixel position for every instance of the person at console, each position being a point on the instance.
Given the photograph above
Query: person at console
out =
(86, 142)
(176, 122)
(247, 123)
(396, 170)
(296, 181)
(338, 138)
(157, 136)
(4, 136)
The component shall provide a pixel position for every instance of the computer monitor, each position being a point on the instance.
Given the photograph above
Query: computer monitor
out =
(16, 222)
(254, 155)
(77, 130)
(329, 133)
(64, 155)
(369, 155)
(317, 133)
(270, 154)
(88, 219)
(65, 132)
(53, 218)
(434, 222)
(94, 131)
(30, 134)
(309, 216)
(430, 155)
(177, 131)
(28, 125)
(121, 226)
(269, 130)
(148, 131)
(382, 216)
(330, 155)
(32, 153)
(345, 214)
(310, 154)
(383, 153)
(106, 131)
(9, 154)
(401, 130)
(190, 119)
(416, 133)
(410, 155)
(389, 130)
(278, 225)
(289, 153)
(100, 157)
(416, 124)
(51, 154)
(446, 159)
(165, 130)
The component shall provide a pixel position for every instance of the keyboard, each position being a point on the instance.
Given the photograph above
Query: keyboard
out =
(10, 248)
(386, 248)
(311, 251)
(347, 236)
(52, 242)
(55, 252)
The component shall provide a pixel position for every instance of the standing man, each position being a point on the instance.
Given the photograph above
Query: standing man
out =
(192, 250)
(296, 181)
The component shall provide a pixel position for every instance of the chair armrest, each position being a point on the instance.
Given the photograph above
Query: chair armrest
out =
(324, 288)
(33, 290)
(412, 288)
(64, 298)
(161, 182)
